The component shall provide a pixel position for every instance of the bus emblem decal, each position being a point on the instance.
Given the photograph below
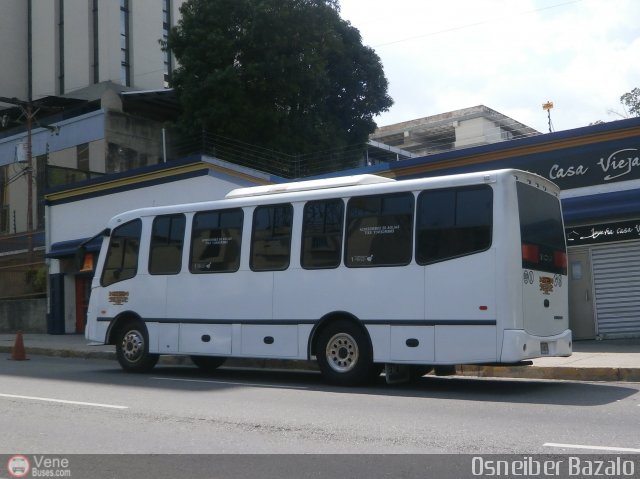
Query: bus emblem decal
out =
(546, 284)
(118, 297)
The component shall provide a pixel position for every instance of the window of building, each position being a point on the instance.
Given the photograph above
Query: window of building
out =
(271, 237)
(379, 230)
(167, 239)
(120, 158)
(4, 200)
(215, 241)
(61, 87)
(96, 43)
(125, 47)
(166, 26)
(453, 222)
(122, 256)
(322, 234)
(82, 152)
(4, 219)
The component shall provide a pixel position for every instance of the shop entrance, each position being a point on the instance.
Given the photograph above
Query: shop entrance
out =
(581, 317)
(83, 289)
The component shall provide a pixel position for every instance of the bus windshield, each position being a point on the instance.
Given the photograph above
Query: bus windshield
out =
(541, 230)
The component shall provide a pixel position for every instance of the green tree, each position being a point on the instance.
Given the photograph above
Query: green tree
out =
(631, 101)
(288, 75)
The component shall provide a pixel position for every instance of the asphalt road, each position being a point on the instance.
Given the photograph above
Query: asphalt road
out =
(75, 406)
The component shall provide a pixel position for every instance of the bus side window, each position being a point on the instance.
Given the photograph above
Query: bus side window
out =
(167, 239)
(215, 241)
(379, 230)
(322, 234)
(271, 237)
(453, 222)
(122, 256)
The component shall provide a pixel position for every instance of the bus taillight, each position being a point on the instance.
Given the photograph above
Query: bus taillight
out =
(560, 259)
(530, 253)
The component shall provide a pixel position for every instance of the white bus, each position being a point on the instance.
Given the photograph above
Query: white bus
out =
(355, 272)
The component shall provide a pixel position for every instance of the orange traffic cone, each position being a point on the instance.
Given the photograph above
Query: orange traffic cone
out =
(18, 353)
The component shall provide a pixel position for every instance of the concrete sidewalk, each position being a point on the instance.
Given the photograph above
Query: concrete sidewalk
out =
(609, 360)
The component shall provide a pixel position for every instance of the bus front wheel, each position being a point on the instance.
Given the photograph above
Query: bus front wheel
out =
(132, 348)
(344, 354)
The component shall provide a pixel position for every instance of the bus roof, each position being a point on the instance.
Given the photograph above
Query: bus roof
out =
(307, 185)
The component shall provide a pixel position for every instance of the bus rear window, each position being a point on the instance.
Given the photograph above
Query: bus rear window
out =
(541, 230)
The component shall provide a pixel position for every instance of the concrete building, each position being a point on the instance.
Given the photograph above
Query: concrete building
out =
(55, 47)
(74, 140)
(474, 126)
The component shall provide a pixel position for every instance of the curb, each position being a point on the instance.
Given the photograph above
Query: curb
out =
(555, 373)
(609, 374)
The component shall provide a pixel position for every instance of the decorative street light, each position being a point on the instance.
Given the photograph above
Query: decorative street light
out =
(548, 106)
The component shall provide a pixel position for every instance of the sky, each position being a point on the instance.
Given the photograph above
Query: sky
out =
(512, 56)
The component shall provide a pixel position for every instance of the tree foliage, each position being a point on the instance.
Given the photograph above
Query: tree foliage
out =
(631, 101)
(289, 75)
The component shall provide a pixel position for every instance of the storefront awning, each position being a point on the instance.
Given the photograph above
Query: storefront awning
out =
(65, 249)
(595, 208)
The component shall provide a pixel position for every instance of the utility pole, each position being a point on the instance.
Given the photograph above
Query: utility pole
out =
(28, 113)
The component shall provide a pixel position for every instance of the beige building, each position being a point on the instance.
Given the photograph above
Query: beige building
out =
(468, 127)
(53, 47)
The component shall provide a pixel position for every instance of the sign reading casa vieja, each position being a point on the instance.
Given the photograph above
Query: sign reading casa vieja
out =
(603, 233)
(588, 166)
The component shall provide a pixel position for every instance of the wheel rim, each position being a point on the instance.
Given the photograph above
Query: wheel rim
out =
(342, 352)
(133, 346)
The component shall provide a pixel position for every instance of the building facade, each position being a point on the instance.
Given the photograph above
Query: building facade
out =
(75, 140)
(454, 130)
(59, 46)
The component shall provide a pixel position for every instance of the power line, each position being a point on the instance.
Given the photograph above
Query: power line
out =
(472, 25)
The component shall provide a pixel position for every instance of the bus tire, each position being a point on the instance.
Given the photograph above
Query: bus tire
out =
(344, 354)
(132, 348)
(208, 363)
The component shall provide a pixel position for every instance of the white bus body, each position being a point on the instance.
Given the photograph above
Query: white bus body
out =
(355, 272)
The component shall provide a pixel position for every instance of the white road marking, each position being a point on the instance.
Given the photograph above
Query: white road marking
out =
(595, 448)
(64, 401)
(228, 382)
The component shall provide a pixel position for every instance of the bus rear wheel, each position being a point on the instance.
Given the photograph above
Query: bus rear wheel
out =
(208, 363)
(132, 348)
(344, 355)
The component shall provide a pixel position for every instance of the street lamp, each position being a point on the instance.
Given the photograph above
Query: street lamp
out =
(548, 106)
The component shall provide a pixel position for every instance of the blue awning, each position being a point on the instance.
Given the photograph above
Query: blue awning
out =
(601, 206)
(64, 249)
